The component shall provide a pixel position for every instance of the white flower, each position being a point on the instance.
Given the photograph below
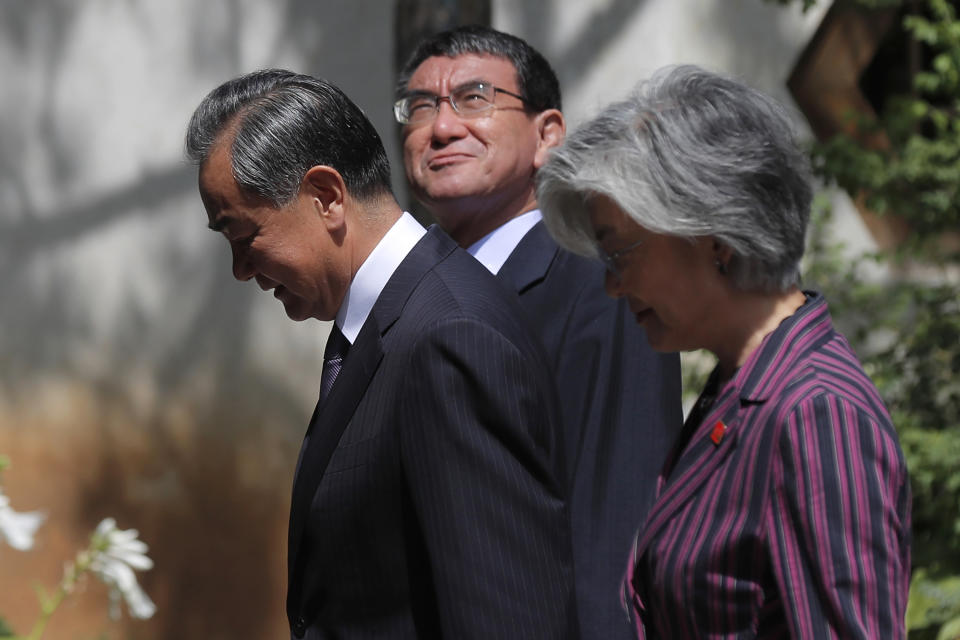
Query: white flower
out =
(18, 528)
(116, 553)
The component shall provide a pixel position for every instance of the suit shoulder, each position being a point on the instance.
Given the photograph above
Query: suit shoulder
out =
(581, 280)
(574, 290)
(460, 289)
(831, 376)
(835, 369)
(579, 269)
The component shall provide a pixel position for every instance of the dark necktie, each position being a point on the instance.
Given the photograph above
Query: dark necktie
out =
(333, 355)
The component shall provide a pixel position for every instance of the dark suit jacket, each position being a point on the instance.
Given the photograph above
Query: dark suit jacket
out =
(621, 405)
(426, 504)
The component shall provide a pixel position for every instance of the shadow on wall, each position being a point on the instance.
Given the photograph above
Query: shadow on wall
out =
(771, 29)
(137, 379)
(537, 22)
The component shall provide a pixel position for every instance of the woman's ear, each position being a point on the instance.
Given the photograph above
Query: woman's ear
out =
(551, 129)
(327, 192)
(721, 256)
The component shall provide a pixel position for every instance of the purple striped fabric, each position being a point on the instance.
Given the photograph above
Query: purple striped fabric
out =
(796, 524)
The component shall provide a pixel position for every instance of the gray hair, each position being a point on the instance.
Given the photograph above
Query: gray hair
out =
(284, 123)
(690, 154)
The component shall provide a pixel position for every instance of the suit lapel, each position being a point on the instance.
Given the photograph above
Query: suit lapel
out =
(530, 261)
(329, 422)
(695, 466)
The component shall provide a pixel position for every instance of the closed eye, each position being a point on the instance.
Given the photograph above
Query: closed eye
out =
(421, 101)
(245, 241)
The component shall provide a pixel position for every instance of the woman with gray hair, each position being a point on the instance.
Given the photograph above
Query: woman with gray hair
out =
(784, 508)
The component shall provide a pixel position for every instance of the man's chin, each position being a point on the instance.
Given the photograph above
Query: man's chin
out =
(450, 197)
(296, 311)
(296, 317)
(301, 312)
(453, 184)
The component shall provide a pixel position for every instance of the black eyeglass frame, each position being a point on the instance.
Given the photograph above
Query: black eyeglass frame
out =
(400, 106)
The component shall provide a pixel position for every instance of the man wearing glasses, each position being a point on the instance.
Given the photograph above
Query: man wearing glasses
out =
(480, 112)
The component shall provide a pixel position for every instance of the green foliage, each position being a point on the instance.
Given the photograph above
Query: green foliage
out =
(933, 603)
(906, 329)
(917, 176)
(5, 630)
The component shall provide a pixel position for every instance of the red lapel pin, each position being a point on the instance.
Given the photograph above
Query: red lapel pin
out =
(718, 430)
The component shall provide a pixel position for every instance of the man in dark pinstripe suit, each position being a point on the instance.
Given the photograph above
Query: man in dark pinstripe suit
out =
(480, 111)
(426, 502)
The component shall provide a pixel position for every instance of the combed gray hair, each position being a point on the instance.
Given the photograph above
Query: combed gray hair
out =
(284, 123)
(690, 153)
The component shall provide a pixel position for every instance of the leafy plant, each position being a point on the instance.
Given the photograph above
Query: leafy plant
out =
(906, 327)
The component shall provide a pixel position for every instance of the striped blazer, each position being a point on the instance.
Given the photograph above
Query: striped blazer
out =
(787, 514)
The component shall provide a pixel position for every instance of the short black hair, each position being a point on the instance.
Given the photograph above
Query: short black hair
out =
(536, 80)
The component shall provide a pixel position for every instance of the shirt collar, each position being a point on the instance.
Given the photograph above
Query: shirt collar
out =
(373, 274)
(493, 249)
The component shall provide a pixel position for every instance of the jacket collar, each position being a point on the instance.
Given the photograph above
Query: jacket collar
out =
(778, 354)
(530, 262)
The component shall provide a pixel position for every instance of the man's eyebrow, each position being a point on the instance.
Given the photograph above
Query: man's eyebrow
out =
(463, 85)
(471, 83)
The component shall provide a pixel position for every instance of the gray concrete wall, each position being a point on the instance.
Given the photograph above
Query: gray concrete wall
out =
(600, 49)
(137, 378)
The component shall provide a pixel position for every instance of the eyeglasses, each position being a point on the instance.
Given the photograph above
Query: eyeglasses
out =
(468, 101)
(610, 259)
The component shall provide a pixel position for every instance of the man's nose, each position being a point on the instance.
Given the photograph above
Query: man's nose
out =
(447, 124)
(242, 270)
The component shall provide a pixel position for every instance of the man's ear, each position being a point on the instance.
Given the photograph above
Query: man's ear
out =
(551, 128)
(327, 192)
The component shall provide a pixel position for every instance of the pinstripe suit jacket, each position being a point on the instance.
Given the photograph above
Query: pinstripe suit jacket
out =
(621, 409)
(794, 520)
(426, 504)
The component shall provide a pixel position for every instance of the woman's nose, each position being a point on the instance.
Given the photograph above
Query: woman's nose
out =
(613, 284)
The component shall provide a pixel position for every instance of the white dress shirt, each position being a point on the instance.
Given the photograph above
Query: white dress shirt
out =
(373, 274)
(493, 249)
